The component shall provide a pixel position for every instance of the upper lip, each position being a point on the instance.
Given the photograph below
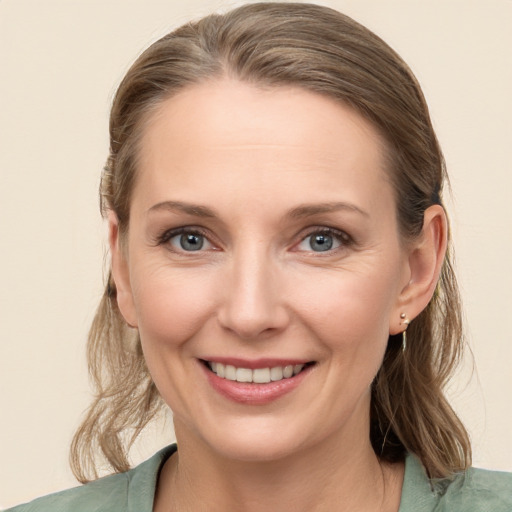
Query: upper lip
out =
(254, 364)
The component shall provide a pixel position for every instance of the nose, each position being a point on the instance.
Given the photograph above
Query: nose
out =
(253, 304)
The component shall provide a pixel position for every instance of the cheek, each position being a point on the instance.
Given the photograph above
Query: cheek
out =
(171, 306)
(347, 299)
(348, 310)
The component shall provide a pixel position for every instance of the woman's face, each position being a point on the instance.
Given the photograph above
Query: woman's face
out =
(262, 242)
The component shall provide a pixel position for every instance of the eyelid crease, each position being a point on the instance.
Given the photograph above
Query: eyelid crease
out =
(311, 230)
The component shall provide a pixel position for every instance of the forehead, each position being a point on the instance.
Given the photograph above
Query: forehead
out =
(232, 136)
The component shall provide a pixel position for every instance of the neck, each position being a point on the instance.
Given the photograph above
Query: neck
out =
(323, 478)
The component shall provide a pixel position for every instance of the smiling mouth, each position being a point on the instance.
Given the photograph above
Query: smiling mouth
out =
(257, 375)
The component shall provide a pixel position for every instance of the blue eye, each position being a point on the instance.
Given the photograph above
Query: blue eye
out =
(190, 242)
(322, 241)
(187, 241)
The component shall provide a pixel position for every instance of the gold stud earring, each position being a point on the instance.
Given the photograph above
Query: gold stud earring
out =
(406, 322)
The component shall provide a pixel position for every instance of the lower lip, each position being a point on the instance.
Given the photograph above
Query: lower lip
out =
(254, 394)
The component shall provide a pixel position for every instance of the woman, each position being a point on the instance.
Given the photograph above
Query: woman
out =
(279, 279)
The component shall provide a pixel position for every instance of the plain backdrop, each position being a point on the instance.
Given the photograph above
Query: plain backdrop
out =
(60, 62)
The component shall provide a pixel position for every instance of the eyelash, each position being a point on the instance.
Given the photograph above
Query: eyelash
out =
(344, 239)
(170, 234)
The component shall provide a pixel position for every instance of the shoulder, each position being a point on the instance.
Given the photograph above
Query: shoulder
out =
(101, 494)
(130, 491)
(475, 490)
(479, 489)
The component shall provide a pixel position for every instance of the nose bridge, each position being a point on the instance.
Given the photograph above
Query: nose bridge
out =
(252, 302)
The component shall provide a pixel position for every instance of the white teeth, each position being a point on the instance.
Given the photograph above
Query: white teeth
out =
(230, 372)
(259, 375)
(243, 375)
(276, 373)
(288, 371)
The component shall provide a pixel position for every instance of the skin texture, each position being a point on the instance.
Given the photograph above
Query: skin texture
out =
(261, 162)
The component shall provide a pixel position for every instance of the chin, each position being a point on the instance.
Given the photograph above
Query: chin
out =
(246, 439)
(258, 448)
(264, 439)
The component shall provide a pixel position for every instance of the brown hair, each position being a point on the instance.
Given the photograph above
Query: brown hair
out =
(323, 51)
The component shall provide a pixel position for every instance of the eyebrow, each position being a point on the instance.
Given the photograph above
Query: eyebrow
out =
(299, 212)
(308, 210)
(188, 208)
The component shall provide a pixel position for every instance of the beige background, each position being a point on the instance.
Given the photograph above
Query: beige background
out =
(59, 64)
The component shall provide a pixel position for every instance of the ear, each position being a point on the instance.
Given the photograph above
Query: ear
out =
(425, 260)
(121, 272)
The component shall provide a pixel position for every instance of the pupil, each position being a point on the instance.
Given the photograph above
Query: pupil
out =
(191, 242)
(321, 242)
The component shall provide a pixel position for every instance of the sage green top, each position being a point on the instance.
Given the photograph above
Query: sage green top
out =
(476, 490)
